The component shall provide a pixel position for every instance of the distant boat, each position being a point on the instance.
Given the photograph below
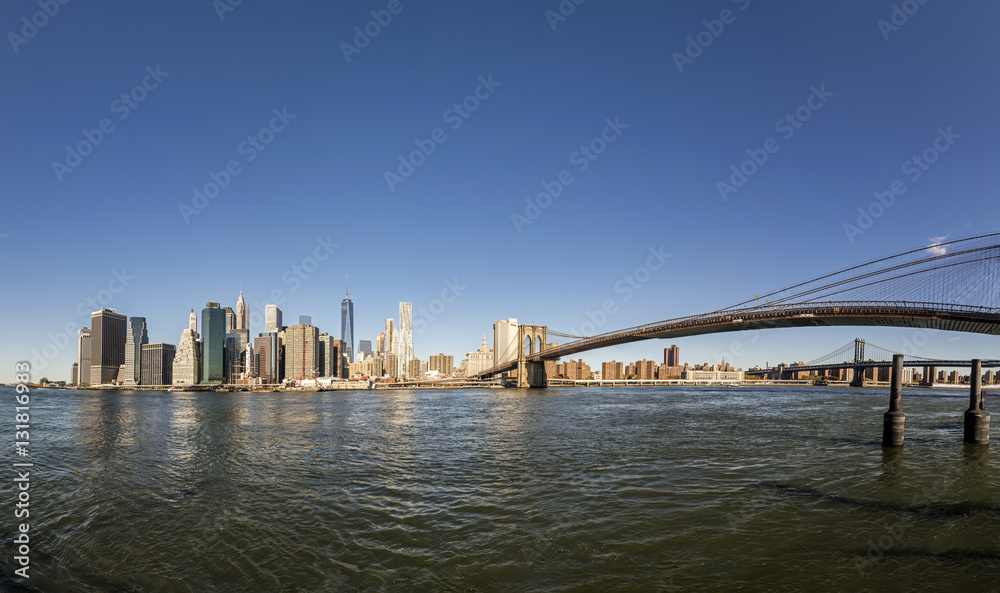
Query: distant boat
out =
(734, 384)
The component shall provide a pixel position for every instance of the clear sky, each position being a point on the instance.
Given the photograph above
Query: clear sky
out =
(294, 122)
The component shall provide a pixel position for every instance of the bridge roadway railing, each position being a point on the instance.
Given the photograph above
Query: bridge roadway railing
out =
(764, 313)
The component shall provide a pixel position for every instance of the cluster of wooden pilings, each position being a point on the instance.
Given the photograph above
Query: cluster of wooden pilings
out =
(977, 419)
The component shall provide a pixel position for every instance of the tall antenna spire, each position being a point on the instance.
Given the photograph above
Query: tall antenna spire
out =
(347, 287)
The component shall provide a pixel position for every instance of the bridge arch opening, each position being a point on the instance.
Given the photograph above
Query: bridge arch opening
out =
(527, 346)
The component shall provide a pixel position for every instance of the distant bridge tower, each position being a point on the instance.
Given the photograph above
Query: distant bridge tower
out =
(531, 340)
(859, 357)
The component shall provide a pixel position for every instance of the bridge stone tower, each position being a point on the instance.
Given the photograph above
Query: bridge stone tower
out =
(859, 356)
(531, 341)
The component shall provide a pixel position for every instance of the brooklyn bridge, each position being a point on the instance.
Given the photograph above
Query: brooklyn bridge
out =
(947, 286)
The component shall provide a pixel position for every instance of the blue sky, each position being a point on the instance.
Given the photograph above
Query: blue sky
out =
(871, 97)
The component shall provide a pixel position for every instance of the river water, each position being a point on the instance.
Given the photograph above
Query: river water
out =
(562, 489)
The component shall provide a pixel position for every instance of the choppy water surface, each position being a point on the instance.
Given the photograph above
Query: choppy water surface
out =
(628, 489)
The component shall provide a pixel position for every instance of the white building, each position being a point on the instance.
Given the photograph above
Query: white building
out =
(272, 318)
(712, 375)
(505, 338)
(480, 360)
(405, 338)
(83, 354)
(187, 360)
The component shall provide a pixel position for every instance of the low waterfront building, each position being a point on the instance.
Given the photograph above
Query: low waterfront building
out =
(712, 374)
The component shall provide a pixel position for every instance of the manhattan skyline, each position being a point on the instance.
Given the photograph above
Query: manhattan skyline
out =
(653, 133)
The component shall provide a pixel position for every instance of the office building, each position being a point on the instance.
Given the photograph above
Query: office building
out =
(272, 319)
(74, 374)
(187, 364)
(134, 340)
(157, 364)
(230, 320)
(301, 352)
(365, 347)
(242, 316)
(480, 360)
(405, 337)
(391, 366)
(266, 358)
(327, 356)
(505, 341)
(213, 335)
(234, 357)
(83, 355)
(414, 369)
(347, 326)
(107, 345)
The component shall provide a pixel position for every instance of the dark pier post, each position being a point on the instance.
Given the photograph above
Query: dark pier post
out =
(892, 421)
(977, 419)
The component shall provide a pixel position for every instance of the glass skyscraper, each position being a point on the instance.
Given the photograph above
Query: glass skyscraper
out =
(347, 326)
(213, 335)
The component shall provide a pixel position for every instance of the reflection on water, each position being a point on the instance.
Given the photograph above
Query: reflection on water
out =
(628, 489)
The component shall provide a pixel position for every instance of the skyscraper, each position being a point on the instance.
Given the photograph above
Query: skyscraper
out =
(405, 338)
(213, 332)
(157, 364)
(391, 338)
(301, 352)
(242, 316)
(347, 324)
(74, 374)
(365, 347)
(230, 320)
(134, 339)
(267, 356)
(107, 345)
(505, 338)
(186, 368)
(83, 354)
(272, 319)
